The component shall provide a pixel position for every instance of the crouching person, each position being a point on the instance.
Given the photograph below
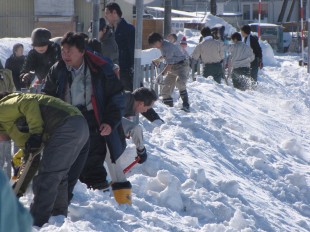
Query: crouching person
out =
(139, 101)
(63, 131)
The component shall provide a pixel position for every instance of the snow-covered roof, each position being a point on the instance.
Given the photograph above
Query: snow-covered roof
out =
(264, 24)
(178, 12)
(231, 14)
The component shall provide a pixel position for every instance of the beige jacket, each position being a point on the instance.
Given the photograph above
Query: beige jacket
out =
(241, 55)
(210, 51)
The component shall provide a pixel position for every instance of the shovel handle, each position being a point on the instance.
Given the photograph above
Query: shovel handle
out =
(131, 165)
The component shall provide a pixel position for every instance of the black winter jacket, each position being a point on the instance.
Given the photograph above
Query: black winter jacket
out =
(108, 96)
(257, 50)
(41, 63)
(15, 64)
(125, 39)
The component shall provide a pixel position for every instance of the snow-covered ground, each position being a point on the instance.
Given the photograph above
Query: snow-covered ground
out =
(238, 162)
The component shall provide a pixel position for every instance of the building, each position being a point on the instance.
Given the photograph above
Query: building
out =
(239, 12)
(19, 18)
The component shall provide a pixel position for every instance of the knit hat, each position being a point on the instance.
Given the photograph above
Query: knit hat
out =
(183, 40)
(40, 37)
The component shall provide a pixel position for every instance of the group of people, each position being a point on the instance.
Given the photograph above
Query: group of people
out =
(241, 59)
(82, 116)
(80, 111)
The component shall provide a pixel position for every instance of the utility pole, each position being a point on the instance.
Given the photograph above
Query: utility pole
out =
(213, 7)
(138, 43)
(138, 49)
(309, 43)
(167, 17)
(302, 31)
(259, 17)
(95, 26)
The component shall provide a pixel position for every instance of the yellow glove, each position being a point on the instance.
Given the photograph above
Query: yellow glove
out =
(17, 158)
(17, 162)
(122, 192)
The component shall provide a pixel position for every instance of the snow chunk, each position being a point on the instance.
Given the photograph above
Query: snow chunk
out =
(297, 180)
(171, 195)
(238, 221)
(292, 147)
(229, 187)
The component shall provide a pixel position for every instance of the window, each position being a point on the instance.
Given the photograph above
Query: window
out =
(246, 10)
(264, 13)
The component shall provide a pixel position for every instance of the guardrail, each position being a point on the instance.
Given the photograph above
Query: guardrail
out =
(150, 73)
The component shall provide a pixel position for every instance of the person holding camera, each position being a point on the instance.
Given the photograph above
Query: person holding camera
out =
(87, 81)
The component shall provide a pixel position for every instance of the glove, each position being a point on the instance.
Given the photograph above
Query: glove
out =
(142, 155)
(17, 162)
(33, 143)
(122, 192)
(26, 78)
(157, 61)
(158, 122)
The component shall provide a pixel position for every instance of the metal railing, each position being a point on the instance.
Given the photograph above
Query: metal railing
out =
(150, 73)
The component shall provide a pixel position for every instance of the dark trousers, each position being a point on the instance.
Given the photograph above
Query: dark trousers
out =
(241, 78)
(126, 78)
(254, 69)
(215, 70)
(64, 148)
(94, 174)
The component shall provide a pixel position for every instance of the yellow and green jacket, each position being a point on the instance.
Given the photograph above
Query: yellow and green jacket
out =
(42, 114)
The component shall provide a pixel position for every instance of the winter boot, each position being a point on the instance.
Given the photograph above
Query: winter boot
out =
(122, 192)
(168, 101)
(184, 97)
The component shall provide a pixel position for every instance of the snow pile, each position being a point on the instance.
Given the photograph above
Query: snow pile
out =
(238, 162)
(214, 21)
(268, 54)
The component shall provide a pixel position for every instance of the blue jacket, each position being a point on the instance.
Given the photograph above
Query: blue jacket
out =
(108, 98)
(13, 216)
(125, 39)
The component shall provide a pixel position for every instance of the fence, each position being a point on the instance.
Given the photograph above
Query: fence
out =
(151, 73)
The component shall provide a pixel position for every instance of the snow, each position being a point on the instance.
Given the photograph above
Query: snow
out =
(238, 162)
(214, 21)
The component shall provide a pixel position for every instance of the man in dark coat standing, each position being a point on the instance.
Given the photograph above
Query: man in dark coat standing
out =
(125, 39)
(89, 83)
(252, 41)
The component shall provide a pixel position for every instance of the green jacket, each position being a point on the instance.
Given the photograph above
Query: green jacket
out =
(6, 81)
(41, 113)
